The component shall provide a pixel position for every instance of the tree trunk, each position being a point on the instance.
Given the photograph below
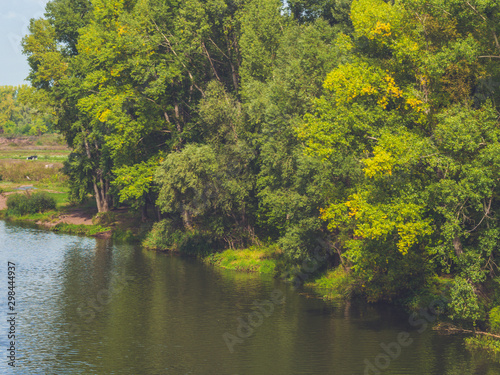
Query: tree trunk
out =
(458, 246)
(101, 193)
(186, 218)
(101, 196)
(97, 197)
(144, 212)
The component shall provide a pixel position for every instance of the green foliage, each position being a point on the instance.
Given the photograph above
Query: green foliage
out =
(160, 237)
(201, 190)
(410, 145)
(165, 237)
(298, 241)
(494, 319)
(24, 111)
(464, 304)
(491, 345)
(22, 204)
(136, 181)
(336, 12)
(369, 127)
(435, 288)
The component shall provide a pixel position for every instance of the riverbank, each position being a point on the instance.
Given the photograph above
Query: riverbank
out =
(254, 259)
(67, 221)
(80, 220)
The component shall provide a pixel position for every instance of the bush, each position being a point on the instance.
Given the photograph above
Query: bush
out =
(195, 242)
(494, 318)
(22, 204)
(464, 303)
(301, 239)
(164, 236)
(160, 236)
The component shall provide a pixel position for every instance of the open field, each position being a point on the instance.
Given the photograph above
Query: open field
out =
(45, 172)
(48, 148)
(28, 171)
(21, 176)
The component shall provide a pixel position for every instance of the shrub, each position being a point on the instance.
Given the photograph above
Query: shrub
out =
(160, 236)
(195, 242)
(164, 236)
(301, 239)
(22, 204)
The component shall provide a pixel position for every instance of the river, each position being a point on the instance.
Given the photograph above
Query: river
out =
(88, 306)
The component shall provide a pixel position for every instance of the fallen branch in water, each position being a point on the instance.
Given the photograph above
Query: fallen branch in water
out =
(451, 329)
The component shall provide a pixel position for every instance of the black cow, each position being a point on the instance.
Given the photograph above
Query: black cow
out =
(34, 157)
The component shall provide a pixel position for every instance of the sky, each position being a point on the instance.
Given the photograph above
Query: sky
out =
(14, 21)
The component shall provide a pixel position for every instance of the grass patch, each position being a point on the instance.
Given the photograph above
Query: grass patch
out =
(46, 217)
(43, 155)
(61, 199)
(79, 229)
(335, 284)
(253, 259)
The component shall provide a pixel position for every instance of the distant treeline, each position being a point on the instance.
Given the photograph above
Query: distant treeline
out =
(25, 111)
(366, 131)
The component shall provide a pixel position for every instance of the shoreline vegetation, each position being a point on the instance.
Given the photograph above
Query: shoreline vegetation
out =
(349, 146)
(336, 285)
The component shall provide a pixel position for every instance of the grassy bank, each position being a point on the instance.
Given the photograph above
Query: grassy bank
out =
(337, 284)
(253, 259)
(80, 229)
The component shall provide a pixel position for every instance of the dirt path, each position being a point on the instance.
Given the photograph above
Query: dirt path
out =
(3, 200)
(76, 217)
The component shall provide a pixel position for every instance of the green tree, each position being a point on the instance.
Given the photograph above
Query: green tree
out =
(290, 186)
(404, 122)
